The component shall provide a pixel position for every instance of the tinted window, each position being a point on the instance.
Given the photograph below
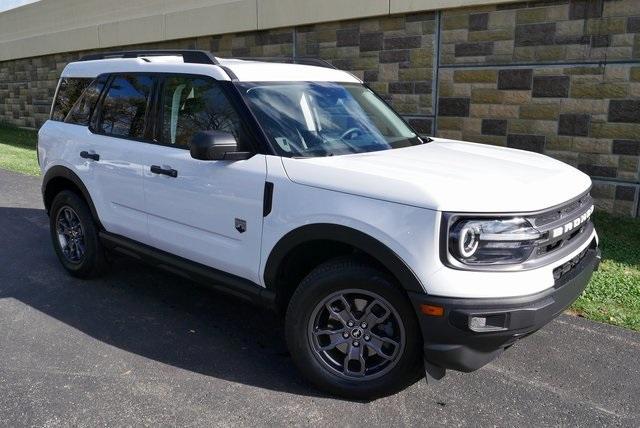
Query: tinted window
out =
(125, 106)
(69, 91)
(196, 104)
(81, 112)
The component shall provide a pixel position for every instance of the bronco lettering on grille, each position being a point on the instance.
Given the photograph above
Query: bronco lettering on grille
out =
(561, 230)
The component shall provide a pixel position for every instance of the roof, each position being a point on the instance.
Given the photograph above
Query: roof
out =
(225, 69)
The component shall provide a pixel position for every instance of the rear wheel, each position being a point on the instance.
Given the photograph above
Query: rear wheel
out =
(352, 332)
(75, 236)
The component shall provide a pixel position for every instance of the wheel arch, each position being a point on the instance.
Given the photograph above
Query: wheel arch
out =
(59, 178)
(343, 238)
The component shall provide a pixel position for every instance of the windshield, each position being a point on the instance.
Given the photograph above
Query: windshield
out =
(306, 119)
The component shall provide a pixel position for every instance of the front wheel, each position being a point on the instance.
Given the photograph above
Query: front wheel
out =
(352, 332)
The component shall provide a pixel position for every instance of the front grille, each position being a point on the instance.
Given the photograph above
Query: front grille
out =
(563, 227)
(549, 246)
(561, 213)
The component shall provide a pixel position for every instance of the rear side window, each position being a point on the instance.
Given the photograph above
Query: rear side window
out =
(69, 91)
(125, 106)
(81, 112)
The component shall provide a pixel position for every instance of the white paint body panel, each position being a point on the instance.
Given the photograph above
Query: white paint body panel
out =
(394, 225)
(118, 181)
(447, 175)
(193, 215)
(139, 65)
(60, 144)
(255, 71)
(246, 71)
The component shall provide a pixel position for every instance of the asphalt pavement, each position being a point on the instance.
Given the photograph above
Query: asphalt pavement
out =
(144, 347)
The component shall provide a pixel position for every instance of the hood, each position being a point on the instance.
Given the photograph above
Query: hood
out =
(447, 175)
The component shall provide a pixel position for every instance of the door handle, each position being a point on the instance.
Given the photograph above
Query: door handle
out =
(87, 155)
(156, 169)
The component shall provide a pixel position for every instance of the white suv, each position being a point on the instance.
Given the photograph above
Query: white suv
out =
(297, 187)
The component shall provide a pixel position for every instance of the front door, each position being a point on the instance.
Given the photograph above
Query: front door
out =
(206, 211)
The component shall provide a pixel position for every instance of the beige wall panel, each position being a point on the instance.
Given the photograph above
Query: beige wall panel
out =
(73, 40)
(48, 16)
(284, 13)
(401, 6)
(132, 31)
(221, 18)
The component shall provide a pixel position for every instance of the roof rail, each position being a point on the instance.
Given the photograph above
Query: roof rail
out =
(188, 55)
(303, 60)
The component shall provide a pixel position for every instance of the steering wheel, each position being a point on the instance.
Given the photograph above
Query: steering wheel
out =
(350, 131)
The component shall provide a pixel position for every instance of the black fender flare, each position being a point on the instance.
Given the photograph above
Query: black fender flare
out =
(343, 234)
(66, 173)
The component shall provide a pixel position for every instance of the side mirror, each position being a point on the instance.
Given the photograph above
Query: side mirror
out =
(216, 145)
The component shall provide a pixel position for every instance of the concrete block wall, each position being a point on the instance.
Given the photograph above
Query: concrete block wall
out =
(559, 77)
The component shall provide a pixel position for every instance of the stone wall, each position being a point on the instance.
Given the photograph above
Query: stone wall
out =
(556, 77)
(394, 55)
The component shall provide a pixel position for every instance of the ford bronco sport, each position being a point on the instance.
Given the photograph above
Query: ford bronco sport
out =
(296, 187)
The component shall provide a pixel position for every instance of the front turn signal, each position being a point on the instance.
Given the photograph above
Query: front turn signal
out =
(432, 310)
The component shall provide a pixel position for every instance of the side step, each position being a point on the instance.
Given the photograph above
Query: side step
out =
(205, 275)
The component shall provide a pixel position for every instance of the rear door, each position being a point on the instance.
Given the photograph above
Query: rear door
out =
(206, 211)
(63, 139)
(119, 151)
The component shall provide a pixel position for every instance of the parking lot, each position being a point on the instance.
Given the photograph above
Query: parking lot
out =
(143, 347)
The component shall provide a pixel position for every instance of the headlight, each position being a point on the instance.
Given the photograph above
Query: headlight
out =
(478, 242)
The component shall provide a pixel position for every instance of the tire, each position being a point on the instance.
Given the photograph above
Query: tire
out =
(70, 219)
(316, 308)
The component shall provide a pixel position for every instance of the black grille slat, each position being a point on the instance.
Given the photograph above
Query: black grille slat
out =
(551, 246)
(564, 272)
(561, 213)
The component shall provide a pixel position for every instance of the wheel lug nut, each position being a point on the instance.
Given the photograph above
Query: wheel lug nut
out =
(363, 325)
(350, 323)
(356, 343)
(367, 337)
(345, 334)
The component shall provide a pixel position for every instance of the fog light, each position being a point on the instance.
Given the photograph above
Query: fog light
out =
(488, 322)
(477, 323)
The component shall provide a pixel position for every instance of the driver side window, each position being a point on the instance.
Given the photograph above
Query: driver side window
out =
(192, 104)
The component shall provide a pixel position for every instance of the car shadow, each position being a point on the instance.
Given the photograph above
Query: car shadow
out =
(147, 312)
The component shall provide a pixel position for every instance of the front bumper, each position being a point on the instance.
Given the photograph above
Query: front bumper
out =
(473, 332)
